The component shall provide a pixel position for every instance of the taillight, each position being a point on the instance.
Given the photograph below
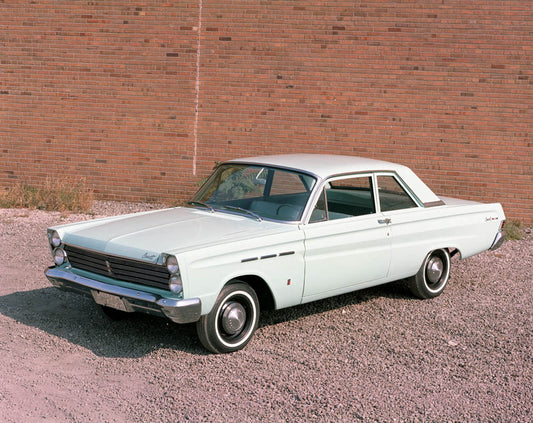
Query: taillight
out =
(502, 225)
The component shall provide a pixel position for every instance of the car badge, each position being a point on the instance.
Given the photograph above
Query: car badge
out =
(149, 256)
(108, 267)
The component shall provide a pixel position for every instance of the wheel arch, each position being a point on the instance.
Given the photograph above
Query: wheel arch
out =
(261, 288)
(453, 251)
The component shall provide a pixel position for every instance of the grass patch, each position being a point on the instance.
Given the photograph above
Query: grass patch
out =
(55, 195)
(514, 229)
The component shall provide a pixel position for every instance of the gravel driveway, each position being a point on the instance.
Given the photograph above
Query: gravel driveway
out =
(373, 355)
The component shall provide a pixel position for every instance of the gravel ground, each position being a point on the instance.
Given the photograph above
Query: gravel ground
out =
(373, 355)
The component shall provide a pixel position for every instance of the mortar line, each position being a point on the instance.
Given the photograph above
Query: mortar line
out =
(197, 86)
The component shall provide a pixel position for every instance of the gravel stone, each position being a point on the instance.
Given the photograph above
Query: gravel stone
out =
(373, 355)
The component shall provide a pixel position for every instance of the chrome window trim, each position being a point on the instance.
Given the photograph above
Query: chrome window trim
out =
(313, 199)
(404, 186)
(284, 168)
(290, 169)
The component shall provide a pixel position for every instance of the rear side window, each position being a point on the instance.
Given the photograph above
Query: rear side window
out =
(392, 196)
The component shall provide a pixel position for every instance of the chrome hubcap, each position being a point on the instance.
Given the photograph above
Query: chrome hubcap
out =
(233, 318)
(435, 269)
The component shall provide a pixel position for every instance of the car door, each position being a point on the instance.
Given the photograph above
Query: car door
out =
(346, 242)
(408, 227)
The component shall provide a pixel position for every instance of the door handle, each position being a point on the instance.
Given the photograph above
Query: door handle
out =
(385, 221)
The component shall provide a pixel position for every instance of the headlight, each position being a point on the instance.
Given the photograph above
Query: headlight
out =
(175, 284)
(172, 265)
(54, 239)
(60, 256)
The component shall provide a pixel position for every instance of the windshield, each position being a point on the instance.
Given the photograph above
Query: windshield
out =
(257, 191)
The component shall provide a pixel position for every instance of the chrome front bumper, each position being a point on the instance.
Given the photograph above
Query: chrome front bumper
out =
(501, 236)
(126, 299)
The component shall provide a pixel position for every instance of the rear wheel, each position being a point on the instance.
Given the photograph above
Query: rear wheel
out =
(232, 321)
(433, 275)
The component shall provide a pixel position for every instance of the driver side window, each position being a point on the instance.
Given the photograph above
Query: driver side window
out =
(345, 197)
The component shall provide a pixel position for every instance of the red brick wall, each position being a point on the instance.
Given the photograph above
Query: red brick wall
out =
(107, 90)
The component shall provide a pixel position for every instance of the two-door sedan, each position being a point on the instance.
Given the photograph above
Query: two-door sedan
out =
(272, 232)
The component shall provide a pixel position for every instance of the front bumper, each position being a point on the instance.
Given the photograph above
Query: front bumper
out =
(126, 299)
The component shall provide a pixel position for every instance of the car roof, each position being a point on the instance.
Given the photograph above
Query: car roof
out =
(326, 165)
(321, 165)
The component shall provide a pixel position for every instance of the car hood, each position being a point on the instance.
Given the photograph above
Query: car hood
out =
(144, 236)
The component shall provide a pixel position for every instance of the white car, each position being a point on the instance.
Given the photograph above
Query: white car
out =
(272, 232)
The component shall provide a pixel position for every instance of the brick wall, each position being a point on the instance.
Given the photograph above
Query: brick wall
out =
(141, 99)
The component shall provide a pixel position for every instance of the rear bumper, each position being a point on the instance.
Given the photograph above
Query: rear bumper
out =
(125, 299)
(501, 236)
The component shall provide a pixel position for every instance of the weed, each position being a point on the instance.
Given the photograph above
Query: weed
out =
(514, 229)
(55, 195)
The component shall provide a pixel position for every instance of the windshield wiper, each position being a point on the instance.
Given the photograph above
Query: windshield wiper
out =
(245, 211)
(199, 203)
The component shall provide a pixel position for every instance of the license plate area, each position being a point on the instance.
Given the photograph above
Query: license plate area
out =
(109, 300)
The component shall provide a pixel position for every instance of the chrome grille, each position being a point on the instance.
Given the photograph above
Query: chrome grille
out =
(119, 268)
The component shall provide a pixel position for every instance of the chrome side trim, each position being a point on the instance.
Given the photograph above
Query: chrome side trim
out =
(501, 236)
(179, 311)
(246, 260)
(435, 203)
(267, 256)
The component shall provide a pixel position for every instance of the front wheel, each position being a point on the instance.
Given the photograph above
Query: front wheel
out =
(433, 275)
(232, 321)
